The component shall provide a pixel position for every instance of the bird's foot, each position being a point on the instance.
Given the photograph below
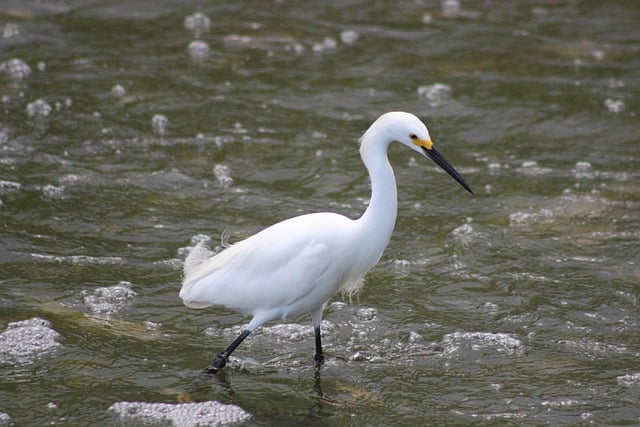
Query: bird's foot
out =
(218, 363)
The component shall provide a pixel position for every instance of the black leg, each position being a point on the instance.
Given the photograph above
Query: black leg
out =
(221, 360)
(318, 357)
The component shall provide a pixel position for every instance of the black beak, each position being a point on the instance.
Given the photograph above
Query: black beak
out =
(435, 155)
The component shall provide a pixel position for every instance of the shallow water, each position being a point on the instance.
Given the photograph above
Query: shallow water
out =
(131, 131)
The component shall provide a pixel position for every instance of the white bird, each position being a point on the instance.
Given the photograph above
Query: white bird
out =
(293, 267)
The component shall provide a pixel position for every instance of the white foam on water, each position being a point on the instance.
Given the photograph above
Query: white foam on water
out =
(10, 30)
(223, 174)
(583, 170)
(598, 54)
(16, 69)
(281, 331)
(160, 124)
(349, 37)
(109, 300)
(614, 105)
(26, 340)
(52, 192)
(366, 314)
(326, 45)
(543, 216)
(562, 402)
(289, 331)
(494, 168)
(476, 341)
(465, 234)
(198, 23)
(450, 8)
(592, 349)
(198, 50)
(296, 331)
(296, 47)
(629, 380)
(6, 186)
(235, 40)
(39, 108)
(437, 94)
(118, 91)
(532, 168)
(79, 259)
(209, 413)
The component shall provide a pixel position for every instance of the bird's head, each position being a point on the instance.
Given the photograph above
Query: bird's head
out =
(409, 130)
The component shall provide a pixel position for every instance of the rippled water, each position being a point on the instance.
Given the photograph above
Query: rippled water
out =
(132, 131)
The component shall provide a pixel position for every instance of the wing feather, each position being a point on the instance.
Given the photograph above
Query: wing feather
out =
(271, 269)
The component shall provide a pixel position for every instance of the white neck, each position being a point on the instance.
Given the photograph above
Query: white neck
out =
(379, 218)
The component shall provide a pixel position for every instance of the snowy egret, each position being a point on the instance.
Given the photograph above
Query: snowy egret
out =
(292, 268)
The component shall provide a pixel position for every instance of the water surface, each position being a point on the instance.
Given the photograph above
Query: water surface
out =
(130, 131)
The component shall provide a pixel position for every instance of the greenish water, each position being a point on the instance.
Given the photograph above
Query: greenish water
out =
(518, 305)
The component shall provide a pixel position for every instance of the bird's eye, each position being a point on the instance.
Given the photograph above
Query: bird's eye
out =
(413, 136)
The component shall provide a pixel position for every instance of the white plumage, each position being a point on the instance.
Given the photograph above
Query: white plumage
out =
(286, 269)
(293, 267)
